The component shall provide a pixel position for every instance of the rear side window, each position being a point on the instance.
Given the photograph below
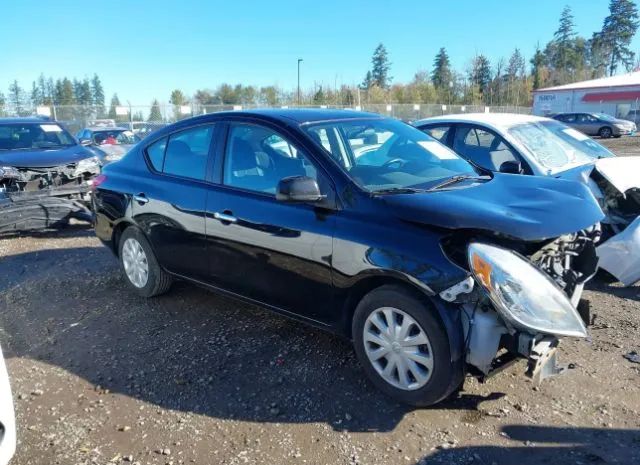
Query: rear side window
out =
(156, 153)
(440, 133)
(183, 153)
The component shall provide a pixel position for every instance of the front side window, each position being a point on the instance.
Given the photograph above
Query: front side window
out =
(386, 155)
(183, 153)
(257, 158)
(32, 136)
(482, 147)
(556, 146)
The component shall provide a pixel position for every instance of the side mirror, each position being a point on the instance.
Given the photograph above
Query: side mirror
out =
(298, 189)
(85, 142)
(511, 167)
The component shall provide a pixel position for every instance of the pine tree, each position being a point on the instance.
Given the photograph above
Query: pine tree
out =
(115, 102)
(97, 91)
(380, 67)
(155, 114)
(36, 98)
(319, 97)
(442, 74)
(17, 98)
(481, 73)
(617, 32)
(368, 81)
(564, 41)
(537, 68)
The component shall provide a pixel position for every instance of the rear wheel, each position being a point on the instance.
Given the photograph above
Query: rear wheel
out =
(605, 132)
(140, 266)
(402, 346)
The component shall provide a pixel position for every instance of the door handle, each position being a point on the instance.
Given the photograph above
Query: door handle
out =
(141, 198)
(225, 217)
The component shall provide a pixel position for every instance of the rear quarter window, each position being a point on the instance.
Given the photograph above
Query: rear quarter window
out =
(155, 152)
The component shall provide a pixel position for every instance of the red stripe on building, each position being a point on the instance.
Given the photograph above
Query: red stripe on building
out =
(611, 96)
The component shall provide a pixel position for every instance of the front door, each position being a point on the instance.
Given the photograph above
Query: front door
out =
(273, 252)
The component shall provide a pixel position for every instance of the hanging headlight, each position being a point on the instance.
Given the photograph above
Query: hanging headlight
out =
(522, 294)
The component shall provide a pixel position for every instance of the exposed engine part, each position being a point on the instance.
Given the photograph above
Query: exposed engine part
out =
(570, 260)
(483, 329)
(621, 208)
(542, 360)
(463, 287)
(34, 179)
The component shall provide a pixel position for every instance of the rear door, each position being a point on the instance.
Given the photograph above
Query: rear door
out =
(277, 253)
(169, 204)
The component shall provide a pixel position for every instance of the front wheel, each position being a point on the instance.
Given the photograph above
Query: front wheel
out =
(140, 266)
(605, 132)
(403, 347)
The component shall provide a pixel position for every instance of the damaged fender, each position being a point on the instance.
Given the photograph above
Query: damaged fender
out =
(620, 255)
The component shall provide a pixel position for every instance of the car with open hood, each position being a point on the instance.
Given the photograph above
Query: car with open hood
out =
(44, 174)
(364, 226)
(536, 146)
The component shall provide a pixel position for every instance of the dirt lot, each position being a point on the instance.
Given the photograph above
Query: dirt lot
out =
(101, 376)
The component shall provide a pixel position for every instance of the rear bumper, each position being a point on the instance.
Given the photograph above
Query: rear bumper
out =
(620, 255)
(7, 417)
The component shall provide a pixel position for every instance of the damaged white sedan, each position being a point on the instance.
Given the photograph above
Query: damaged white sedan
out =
(531, 145)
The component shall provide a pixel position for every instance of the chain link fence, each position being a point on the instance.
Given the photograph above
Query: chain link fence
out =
(147, 118)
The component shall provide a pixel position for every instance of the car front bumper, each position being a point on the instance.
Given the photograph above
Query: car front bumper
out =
(7, 417)
(620, 254)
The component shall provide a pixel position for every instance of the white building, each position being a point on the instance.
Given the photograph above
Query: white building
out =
(615, 95)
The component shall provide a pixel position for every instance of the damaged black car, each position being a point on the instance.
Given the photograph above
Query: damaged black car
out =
(364, 226)
(45, 175)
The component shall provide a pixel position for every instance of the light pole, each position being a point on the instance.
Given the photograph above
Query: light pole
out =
(299, 61)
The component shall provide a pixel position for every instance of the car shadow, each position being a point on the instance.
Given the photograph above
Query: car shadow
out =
(190, 350)
(608, 285)
(553, 445)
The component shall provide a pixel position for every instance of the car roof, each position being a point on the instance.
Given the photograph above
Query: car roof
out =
(27, 119)
(105, 128)
(501, 120)
(303, 115)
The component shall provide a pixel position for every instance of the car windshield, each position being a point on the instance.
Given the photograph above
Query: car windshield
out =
(115, 137)
(556, 146)
(605, 117)
(388, 155)
(26, 136)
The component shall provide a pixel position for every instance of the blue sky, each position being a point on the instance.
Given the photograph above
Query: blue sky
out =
(144, 49)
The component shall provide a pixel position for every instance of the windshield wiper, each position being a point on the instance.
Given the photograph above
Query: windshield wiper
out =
(456, 179)
(398, 190)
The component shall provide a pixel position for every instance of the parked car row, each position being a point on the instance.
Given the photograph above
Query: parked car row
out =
(452, 250)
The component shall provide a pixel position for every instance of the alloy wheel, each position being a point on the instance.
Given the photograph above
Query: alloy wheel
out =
(135, 262)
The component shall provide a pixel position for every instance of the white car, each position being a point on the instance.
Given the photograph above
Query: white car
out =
(7, 417)
(532, 145)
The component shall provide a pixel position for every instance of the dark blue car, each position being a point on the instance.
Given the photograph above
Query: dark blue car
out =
(364, 226)
(44, 174)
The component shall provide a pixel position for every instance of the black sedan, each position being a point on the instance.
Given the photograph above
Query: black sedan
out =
(364, 226)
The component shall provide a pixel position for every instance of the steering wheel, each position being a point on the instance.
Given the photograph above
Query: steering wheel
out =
(393, 161)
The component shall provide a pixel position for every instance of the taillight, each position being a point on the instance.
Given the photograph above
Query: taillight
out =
(95, 182)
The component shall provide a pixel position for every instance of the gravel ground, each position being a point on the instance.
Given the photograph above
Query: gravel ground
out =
(102, 376)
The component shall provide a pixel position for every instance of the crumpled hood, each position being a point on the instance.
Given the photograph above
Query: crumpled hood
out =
(43, 158)
(523, 207)
(622, 172)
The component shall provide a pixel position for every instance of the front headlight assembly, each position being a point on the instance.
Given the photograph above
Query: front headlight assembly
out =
(522, 294)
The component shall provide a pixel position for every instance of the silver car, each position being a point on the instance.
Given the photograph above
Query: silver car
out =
(597, 124)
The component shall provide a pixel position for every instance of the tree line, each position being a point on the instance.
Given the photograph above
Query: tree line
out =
(567, 57)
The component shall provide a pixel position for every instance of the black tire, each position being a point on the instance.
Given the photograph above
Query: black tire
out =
(605, 132)
(158, 281)
(441, 382)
